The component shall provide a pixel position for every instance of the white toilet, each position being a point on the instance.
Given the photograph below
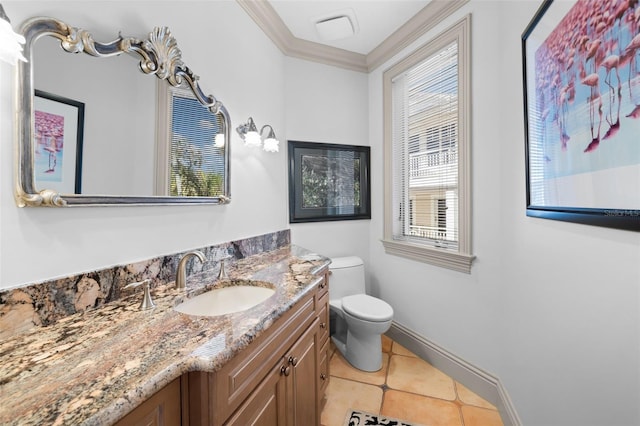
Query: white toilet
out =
(359, 319)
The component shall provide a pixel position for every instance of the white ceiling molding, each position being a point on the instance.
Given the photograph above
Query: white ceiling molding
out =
(270, 22)
(427, 18)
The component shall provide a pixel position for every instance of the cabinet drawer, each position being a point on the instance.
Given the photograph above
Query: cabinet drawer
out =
(236, 380)
(323, 286)
(323, 316)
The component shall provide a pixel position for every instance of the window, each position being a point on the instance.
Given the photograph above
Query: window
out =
(191, 161)
(427, 125)
(196, 164)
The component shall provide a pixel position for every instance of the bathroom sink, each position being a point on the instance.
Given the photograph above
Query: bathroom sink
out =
(234, 296)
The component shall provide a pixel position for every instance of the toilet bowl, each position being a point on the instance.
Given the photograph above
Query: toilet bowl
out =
(359, 319)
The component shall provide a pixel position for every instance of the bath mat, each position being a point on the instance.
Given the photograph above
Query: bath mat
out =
(362, 418)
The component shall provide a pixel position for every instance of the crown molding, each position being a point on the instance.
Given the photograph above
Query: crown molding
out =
(270, 22)
(329, 55)
(272, 25)
(426, 19)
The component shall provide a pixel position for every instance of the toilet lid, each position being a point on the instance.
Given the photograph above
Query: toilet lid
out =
(367, 307)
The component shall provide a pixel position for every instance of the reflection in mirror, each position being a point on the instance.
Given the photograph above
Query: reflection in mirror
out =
(118, 142)
(58, 133)
(191, 146)
(139, 141)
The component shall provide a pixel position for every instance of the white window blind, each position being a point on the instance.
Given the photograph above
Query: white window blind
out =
(425, 145)
(196, 165)
(427, 152)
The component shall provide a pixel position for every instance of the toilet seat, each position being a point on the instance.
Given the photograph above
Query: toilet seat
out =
(367, 308)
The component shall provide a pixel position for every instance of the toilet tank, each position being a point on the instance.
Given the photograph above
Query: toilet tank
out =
(347, 277)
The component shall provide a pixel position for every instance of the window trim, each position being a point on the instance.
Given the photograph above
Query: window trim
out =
(461, 259)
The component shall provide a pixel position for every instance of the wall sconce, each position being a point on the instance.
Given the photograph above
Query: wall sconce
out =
(249, 133)
(10, 41)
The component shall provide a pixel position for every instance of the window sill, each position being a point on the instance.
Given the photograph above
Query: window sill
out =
(460, 262)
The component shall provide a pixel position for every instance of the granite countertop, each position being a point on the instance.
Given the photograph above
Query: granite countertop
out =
(94, 368)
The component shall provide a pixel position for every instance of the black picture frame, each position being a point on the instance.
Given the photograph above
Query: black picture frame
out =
(581, 165)
(59, 136)
(328, 182)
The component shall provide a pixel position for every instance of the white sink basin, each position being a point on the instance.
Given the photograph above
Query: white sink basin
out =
(226, 300)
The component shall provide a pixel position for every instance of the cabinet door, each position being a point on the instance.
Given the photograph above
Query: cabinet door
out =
(324, 349)
(266, 406)
(163, 408)
(224, 391)
(302, 384)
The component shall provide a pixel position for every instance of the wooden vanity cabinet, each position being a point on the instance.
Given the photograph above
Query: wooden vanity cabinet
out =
(285, 396)
(279, 379)
(163, 408)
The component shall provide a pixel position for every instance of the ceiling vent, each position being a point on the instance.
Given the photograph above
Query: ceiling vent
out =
(337, 25)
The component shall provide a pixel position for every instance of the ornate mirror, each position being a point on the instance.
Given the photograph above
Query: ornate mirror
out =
(94, 130)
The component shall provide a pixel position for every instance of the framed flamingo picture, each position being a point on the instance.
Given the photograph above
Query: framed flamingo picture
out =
(58, 133)
(581, 72)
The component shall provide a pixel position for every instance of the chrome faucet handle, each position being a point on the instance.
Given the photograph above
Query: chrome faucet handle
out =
(181, 272)
(222, 275)
(147, 302)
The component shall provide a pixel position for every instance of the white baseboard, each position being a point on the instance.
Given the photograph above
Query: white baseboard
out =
(479, 381)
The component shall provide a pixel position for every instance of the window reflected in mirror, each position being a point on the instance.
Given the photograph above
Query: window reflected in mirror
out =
(192, 161)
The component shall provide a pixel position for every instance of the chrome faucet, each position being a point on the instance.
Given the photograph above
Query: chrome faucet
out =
(181, 274)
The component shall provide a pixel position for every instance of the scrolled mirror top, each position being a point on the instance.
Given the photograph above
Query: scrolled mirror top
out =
(158, 55)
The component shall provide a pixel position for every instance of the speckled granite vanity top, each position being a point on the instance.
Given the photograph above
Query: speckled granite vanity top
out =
(95, 367)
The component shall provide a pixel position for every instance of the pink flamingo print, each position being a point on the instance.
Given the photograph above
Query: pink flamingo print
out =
(593, 81)
(609, 63)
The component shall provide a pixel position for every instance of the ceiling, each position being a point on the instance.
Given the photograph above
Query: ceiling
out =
(384, 27)
(375, 20)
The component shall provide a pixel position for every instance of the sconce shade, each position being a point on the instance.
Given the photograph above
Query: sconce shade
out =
(249, 133)
(10, 41)
(252, 138)
(271, 144)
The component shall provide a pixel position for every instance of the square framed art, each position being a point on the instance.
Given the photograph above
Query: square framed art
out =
(328, 182)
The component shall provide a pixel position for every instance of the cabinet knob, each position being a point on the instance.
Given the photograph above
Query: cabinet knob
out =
(323, 284)
(323, 376)
(323, 325)
(293, 360)
(285, 370)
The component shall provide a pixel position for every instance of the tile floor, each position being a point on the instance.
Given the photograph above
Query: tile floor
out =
(406, 388)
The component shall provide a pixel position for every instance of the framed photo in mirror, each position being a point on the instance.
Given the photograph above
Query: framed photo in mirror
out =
(328, 182)
(58, 134)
